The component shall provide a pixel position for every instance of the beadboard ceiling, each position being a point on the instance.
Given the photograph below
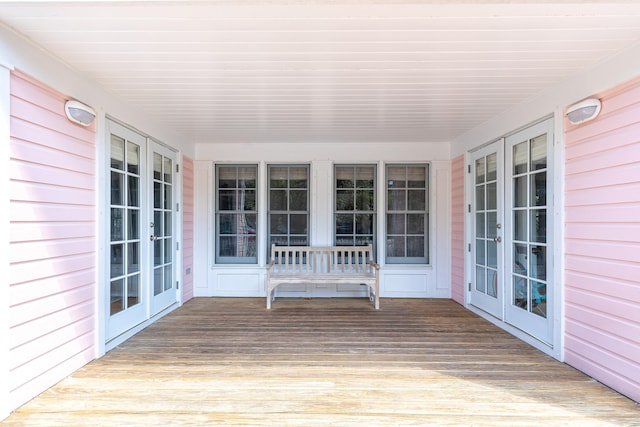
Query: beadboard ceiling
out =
(326, 71)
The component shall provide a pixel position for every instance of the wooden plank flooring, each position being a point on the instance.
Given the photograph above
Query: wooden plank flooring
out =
(326, 362)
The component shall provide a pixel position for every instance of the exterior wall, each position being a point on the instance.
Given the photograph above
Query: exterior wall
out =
(187, 228)
(407, 281)
(52, 240)
(602, 242)
(457, 229)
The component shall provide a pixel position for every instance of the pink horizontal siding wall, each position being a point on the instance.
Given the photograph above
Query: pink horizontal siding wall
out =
(52, 240)
(457, 229)
(602, 242)
(187, 228)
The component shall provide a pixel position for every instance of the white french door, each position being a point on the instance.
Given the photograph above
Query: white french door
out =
(162, 227)
(487, 207)
(510, 262)
(141, 219)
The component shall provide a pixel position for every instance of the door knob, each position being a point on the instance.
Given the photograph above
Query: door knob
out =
(497, 239)
(152, 238)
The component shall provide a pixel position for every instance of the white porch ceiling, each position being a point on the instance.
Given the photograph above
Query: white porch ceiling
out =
(326, 71)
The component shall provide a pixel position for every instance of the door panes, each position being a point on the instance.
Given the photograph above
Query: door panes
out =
(125, 225)
(529, 213)
(162, 237)
(486, 214)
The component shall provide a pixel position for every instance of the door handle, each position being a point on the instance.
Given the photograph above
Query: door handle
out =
(152, 238)
(497, 239)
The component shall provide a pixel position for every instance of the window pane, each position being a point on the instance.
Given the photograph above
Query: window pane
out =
(344, 224)
(228, 246)
(480, 198)
(278, 200)
(133, 257)
(520, 155)
(117, 260)
(480, 224)
(520, 191)
(417, 201)
(539, 189)
(480, 252)
(133, 290)
(279, 177)
(133, 158)
(344, 177)
(117, 188)
(133, 223)
(168, 169)
(364, 200)
(538, 267)
(227, 200)
(344, 200)
(248, 200)
(157, 166)
(396, 176)
(416, 176)
(539, 152)
(520, 225)
(395, 246)
(415, 223)
(116, 295)
(481, 280)
(117, 224)
(492, 202)
(298, 200)
(492, 224)
(157, 195)
(167, 196)
(396, 201)
(298, 177)
(298, 224)
(227, 177)
(395, 224)
(364, 224)
(227, 224)
(133, 186)
(279, 224)
(538, 225)
(492, 167)
(365, 177)
(480, 172)
(415, 246)
(117, 152)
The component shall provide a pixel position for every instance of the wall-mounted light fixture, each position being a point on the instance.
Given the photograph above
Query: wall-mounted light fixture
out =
(583, 111)
(79, 113)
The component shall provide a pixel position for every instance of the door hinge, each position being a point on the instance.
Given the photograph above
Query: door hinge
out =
(177, 284)
(469, 286)
(469, 208)
(178, 207)
(468, 168)
(469, 247)
(177, 168)
(177, 246)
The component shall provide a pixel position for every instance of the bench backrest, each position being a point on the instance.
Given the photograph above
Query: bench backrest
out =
(322, 259)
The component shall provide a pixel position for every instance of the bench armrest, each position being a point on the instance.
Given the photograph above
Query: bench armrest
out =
(374, 265)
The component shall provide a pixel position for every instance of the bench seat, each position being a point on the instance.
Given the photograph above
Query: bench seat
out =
(323, 265)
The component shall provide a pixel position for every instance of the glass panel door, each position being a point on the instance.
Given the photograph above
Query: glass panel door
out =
(486, 249)
(529, 227)
(126, 301)
(162, 227)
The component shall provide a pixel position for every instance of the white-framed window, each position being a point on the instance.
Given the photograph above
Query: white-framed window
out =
(236, 214)
(288, 210)
(407, 213)
(355, 205)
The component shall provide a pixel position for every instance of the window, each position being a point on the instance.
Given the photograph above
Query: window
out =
(407, 214)
(236, 214)
(355, 204)
(288, 205)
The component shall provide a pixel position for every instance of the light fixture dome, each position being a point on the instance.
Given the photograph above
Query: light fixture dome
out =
(79, 113)
(584, 111)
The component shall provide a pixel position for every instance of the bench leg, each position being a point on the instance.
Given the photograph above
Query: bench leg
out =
(269, 299)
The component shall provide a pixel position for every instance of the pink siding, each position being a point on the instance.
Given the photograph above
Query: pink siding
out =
(457, 229)
(602, 242)
(187, 228)
(52, 241)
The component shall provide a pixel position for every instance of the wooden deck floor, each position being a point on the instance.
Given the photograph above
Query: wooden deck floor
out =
(326, 362)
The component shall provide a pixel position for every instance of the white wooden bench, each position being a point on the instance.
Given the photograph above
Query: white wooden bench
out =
(323, 264)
